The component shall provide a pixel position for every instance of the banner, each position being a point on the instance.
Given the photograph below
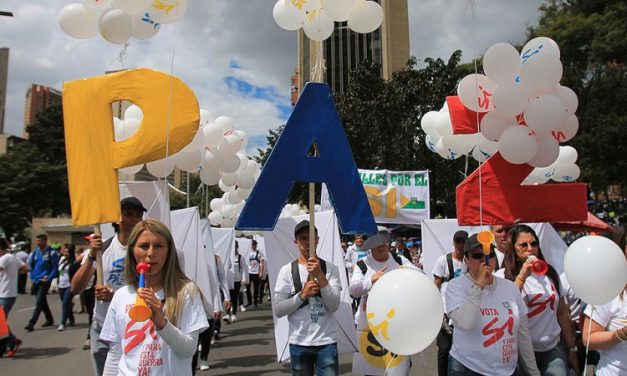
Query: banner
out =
(394, 196)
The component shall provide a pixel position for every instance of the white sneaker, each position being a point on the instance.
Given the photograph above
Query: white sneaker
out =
(242, 308)
(61, 328)
(204, 365)
(233, 318)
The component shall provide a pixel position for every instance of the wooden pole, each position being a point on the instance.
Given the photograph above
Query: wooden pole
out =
(99, 270)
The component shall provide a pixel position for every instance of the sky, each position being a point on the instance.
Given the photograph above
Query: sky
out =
(230, 53)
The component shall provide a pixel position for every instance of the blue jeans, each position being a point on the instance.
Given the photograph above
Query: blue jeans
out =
(99, 349)
(456, 368)
(7, 304)
(553, 362)
(66, 305)
(41, 303)
(324, 358)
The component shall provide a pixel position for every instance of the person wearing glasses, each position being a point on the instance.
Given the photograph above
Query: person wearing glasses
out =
(490, 319)
(549, 315)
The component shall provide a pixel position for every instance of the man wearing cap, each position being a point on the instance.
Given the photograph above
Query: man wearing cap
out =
(44, 267)
(368, 271)
(113, 255)
(307, 291)
(445, 269)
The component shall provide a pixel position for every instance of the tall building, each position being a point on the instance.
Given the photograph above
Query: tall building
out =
(38, 98)
(4, 73)
(345, 49)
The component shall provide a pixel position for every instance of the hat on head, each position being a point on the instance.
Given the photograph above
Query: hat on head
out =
(473, 243)
(301, 225)
(381, 237)
(132, 203)
(409, 244)
(461, 234)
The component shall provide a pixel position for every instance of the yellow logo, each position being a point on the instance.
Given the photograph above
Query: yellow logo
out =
(166, 8)
(376, 355)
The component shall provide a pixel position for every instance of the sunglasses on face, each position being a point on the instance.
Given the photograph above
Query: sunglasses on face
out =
(478, 256)
(533, 244)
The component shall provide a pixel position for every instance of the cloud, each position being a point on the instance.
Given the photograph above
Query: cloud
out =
(230, 52)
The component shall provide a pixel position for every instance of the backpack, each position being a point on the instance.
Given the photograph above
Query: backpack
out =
(364, 268)
(298, 286)
(451, 269)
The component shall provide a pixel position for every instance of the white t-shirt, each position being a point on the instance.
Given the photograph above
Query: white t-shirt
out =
(491, 347)
(612, 316)
(64, 274)
(542, 302)
(8, 276)
(143, 350)
(254, 259)
(440, 269)
(312, 324)
(113, 274)
(361, 284)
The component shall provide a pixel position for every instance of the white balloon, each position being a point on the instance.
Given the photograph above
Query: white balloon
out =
(596, 269)
(215, 218)
(188, 161)
(567, 130)
(216, 204)
(243, 161)
(230, 163)
(213, 135)
(537, 176)
(229, 209)
(209, 176)
(115, 26)
(431, 144)
(128, 128)
(545, 114)
(205, 117)
(231, 145)
(457, 145)
(568, 97)
(475, 92)
(566, 173)
(143, 26)
(501, 63)
(428, 123)
(568, 155)
(97, 4)
(509, 99)
(493, 124)
(233, 198)
(518, 144)
(445, 152)
(225, 188)
(131, 170)
(245, 179)
(229, 179)
(133, 112)
(243, 193)
(338, 10)
(287, 16)
(484, 149)
(161, 168)
(540, 75)
(225, 123)
(416, 318)
(243, 137)
(213, 160)
(366, 17)
(78, 21)
(131, 6)
(540, 46)
(252, 166)
(319, 26)
(168, 11)
(548, 151)
(443, 125)
(305, 5)
(196, 143)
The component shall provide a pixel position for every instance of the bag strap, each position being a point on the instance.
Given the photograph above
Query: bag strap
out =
(451, 269)
(298, 286)
(397, 258)
(362, 266)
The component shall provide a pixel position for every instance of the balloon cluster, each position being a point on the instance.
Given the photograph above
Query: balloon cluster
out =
(119, 20)
(317, 17)
(525, 112)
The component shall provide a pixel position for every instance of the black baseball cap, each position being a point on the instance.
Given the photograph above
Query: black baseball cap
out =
(473, 243)
(301, 225)
(461, 235)
(132, 203)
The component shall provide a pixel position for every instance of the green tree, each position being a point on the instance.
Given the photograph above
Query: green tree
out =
(591, 36)
(200, 195)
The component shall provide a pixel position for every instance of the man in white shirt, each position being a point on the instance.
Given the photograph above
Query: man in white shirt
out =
(257, 274)
(113, 257)
(10, 266)
(307, 291)
(446, 268)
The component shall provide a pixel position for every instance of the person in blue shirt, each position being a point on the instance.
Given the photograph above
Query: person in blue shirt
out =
(44, 267)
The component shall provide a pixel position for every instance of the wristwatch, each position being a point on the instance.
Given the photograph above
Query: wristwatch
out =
(91, 258)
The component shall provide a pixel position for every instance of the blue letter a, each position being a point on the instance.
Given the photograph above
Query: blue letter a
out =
(314, 121)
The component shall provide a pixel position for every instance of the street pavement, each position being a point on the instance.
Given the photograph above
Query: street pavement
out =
(247, 346)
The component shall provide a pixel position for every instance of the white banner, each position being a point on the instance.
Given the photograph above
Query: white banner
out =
(394, 196)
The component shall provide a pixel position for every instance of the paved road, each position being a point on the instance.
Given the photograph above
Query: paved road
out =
(247, 347)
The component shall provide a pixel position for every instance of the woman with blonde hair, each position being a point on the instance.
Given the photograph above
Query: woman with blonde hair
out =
(608, 327)
(165, 343)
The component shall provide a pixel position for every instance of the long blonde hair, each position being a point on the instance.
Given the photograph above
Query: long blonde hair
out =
(176, 285)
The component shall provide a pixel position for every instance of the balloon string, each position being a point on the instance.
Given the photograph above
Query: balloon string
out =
(387, 366)
(585, 362)
(120, 61)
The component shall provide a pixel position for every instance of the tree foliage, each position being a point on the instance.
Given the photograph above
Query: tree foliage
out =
(34, 175)
(200, 195)
(591, 36)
